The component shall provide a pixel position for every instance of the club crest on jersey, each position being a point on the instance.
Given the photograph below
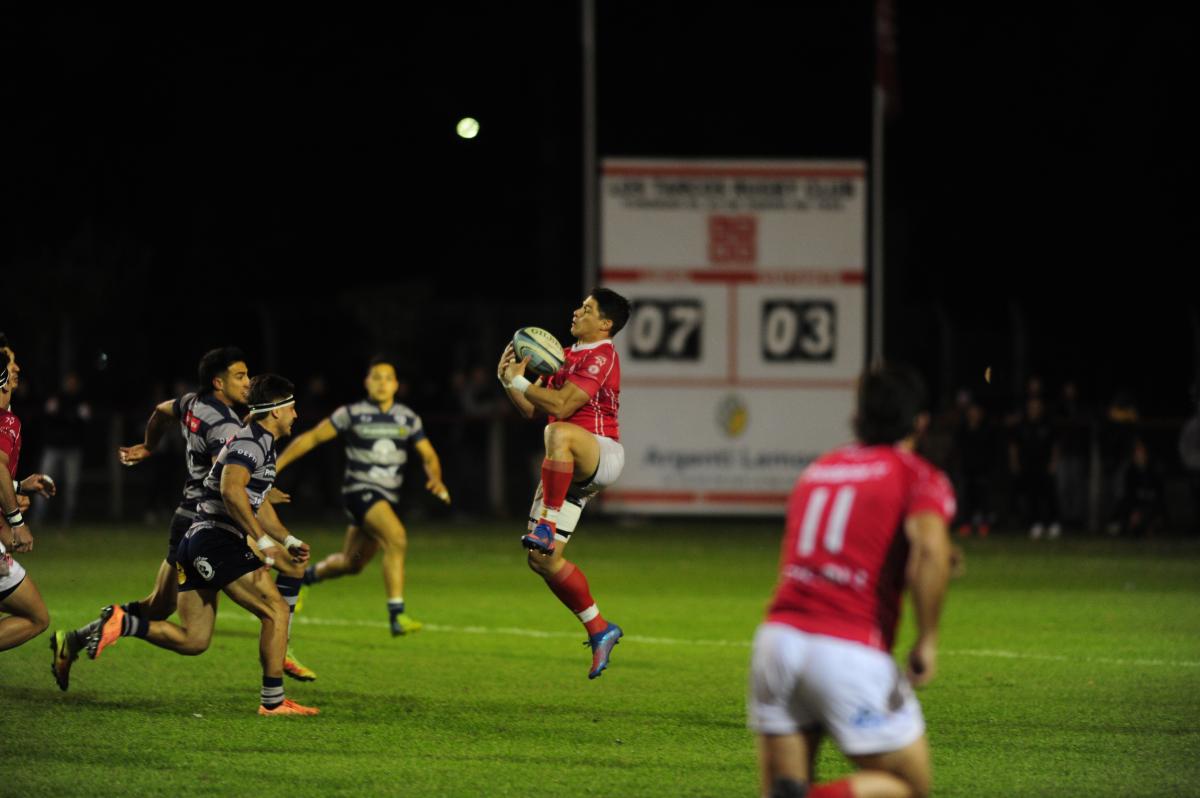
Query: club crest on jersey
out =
(732, 416)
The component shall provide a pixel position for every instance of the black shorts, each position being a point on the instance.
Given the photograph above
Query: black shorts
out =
(210, 558)
(360, 501)
(180, 523)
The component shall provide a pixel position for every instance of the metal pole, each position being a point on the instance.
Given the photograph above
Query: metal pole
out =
(876, 224)
(591, 270)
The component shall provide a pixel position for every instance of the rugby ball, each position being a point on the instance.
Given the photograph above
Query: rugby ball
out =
(544, 351)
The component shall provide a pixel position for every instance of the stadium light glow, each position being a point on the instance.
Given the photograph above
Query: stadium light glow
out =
(467, 128)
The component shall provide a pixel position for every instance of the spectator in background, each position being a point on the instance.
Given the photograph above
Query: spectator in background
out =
(1189, 455)
(1033, 459)
(1073, 429)
(168, 474)
(975, 461)
(1142, 508)
(66, 415)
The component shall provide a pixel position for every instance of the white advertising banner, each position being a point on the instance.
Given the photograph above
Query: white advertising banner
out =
(748, 286)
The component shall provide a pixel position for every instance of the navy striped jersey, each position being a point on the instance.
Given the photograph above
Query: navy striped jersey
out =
(207, 423)
(253, 448)
(376, 445)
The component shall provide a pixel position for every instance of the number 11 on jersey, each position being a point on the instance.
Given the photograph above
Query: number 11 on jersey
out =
(835, 525)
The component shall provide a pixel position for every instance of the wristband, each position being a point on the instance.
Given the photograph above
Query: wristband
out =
(266, 542)
(14, 519)
(292, 540)
(520, 383)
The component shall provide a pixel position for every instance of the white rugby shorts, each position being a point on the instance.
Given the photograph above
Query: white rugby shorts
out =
(608, 471)
(853, 692)
(13, 578)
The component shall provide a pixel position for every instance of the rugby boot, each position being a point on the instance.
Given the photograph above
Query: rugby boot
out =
(288, 707)
(111, 619)
(404, 625)
(602, 645)
(61, 659)
(541, 538)
(296, 669)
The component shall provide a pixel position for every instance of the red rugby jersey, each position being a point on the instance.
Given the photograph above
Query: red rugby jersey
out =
(844, 548)
(10, 440)
(595, 370)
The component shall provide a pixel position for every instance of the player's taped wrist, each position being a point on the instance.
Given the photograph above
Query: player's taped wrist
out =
(520, 383)
(266, 542)
(14, 519)
(292, 542)
(17, 489)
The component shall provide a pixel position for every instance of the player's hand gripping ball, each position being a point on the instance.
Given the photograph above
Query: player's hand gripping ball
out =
(544, 351)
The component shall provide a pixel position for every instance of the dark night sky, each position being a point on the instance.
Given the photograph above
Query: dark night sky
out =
(296, 180)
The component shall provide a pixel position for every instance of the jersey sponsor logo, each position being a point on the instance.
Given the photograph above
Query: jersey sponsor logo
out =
(864, 472)
(193, 423)
(382, 430)
(203, 568)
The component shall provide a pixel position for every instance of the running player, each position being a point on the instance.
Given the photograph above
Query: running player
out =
(207, 419)
(219, 552)
(583, 453)
(377, 433)
(864, 521)
(26, 615)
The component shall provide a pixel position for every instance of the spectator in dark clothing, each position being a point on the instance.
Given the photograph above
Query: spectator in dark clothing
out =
(66, 415)
(1074, 434)
(975, 455)
(1142, 508)
(1033, 458)
(1118, 429)
(1189, 455)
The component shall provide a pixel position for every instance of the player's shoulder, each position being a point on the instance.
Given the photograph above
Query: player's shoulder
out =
(919, 467)
(598, 358)
(9, 422)
(402, 412)
(212, 410)
(362, 407)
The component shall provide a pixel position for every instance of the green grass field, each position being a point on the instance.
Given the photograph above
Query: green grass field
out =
(1070, 668)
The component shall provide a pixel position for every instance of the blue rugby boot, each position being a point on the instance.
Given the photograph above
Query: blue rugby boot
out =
(602, 645)
(541, 539)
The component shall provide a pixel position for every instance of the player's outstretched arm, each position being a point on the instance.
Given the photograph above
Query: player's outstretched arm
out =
(305, 442)
(297, 549)
(41, 484)
(162, 419)
(433, 470)
(928, 572)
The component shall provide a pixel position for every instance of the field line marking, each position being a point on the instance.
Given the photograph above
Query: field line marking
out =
(512, 631)
(673, 641)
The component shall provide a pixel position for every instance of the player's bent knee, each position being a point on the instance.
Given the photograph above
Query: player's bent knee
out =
(193, 647)
(539, 564)
(40, 621)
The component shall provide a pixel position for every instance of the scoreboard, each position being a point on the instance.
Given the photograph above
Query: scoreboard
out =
(748, 287)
